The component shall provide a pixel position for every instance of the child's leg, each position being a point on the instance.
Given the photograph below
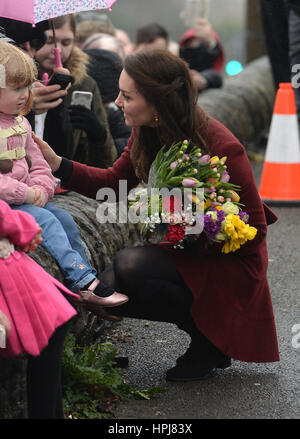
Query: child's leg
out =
(81, 277)
(44, 398)
(57, 244)
(70, 228)
(73, 234)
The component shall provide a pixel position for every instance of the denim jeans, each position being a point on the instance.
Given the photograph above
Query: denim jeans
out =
(62, 241)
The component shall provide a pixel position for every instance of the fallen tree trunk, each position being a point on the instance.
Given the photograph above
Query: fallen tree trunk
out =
(245, 102)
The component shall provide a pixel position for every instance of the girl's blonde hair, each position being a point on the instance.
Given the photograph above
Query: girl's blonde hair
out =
(20, 70)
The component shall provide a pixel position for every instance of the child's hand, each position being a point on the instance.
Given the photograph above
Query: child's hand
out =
(34, 243)
(30, 196)
(4, 324)
(35, 197)
(39, 198)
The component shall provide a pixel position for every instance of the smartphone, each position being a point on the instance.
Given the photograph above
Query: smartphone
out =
(83, 98)
(63, 79)
(194, 9)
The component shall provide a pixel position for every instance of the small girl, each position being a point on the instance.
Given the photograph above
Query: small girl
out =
(26, 183)
(33, 312)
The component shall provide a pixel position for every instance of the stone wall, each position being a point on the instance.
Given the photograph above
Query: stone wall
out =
(245, 106)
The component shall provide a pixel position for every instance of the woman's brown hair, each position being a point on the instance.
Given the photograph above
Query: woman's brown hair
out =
(164, 80)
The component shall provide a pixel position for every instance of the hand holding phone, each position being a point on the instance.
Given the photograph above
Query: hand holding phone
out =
(62, 79)
(83, 98)
(193, 10)
(87, 120)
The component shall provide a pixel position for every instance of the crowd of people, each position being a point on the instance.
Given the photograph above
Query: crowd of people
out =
(120, 103)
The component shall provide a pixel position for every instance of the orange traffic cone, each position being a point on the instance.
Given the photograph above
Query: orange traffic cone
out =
(280, 182)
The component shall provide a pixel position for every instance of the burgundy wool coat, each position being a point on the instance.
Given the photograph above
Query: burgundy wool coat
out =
(232, 303)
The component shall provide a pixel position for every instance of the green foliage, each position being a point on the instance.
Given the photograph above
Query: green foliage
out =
(92, 382)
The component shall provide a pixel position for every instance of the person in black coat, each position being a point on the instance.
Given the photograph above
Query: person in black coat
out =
(105, 67)
(281, 25)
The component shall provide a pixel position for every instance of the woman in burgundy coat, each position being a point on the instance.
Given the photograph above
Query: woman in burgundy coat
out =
(221, 300)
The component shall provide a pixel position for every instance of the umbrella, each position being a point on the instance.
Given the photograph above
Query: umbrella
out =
(34, 11)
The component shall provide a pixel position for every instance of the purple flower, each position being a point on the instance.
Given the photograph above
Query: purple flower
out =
(204, 159)
(225, 177)
(211, 228)
(244, 216)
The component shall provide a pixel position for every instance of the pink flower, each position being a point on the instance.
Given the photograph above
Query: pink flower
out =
(189, 182)
(204, 159)
(225, 177)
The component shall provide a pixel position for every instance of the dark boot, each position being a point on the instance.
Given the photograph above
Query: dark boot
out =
(200, 359)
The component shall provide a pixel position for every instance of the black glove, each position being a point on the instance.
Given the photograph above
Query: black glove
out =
(85, 119)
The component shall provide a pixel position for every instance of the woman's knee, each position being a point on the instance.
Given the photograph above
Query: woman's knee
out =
(126, 263)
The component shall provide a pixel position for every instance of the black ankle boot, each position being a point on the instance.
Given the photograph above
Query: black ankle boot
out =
(199, 361)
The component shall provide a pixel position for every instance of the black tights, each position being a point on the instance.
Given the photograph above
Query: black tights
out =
(44, 393)
(156, 290)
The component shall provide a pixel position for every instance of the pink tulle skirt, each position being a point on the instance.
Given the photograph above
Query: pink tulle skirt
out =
(34, 303)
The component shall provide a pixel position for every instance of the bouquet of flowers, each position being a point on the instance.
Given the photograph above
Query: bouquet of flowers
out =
(189, 194)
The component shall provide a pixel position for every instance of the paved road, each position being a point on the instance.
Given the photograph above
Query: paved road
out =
(245, 390)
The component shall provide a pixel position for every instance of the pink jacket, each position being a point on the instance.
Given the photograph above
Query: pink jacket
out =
(14, 185)
(30, 298)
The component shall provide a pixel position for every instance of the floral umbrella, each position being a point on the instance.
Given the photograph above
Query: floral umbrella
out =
(34, 11)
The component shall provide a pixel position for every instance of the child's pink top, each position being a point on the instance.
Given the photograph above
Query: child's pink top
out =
(14, 185)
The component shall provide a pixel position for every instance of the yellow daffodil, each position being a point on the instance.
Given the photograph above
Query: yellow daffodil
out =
(238, 233)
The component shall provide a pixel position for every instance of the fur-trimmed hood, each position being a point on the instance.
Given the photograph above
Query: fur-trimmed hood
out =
(77, 64)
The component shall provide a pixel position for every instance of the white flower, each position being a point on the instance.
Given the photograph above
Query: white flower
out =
(230, 208)
(6, 248)
(213, 215)
(220, 236)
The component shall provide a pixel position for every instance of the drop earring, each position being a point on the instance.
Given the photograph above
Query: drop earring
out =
(156, 119)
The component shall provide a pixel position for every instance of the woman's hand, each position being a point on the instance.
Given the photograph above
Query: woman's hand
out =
(47, 97)
(87, 120)
(198, 79)
(204, 32)
(50, 156)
